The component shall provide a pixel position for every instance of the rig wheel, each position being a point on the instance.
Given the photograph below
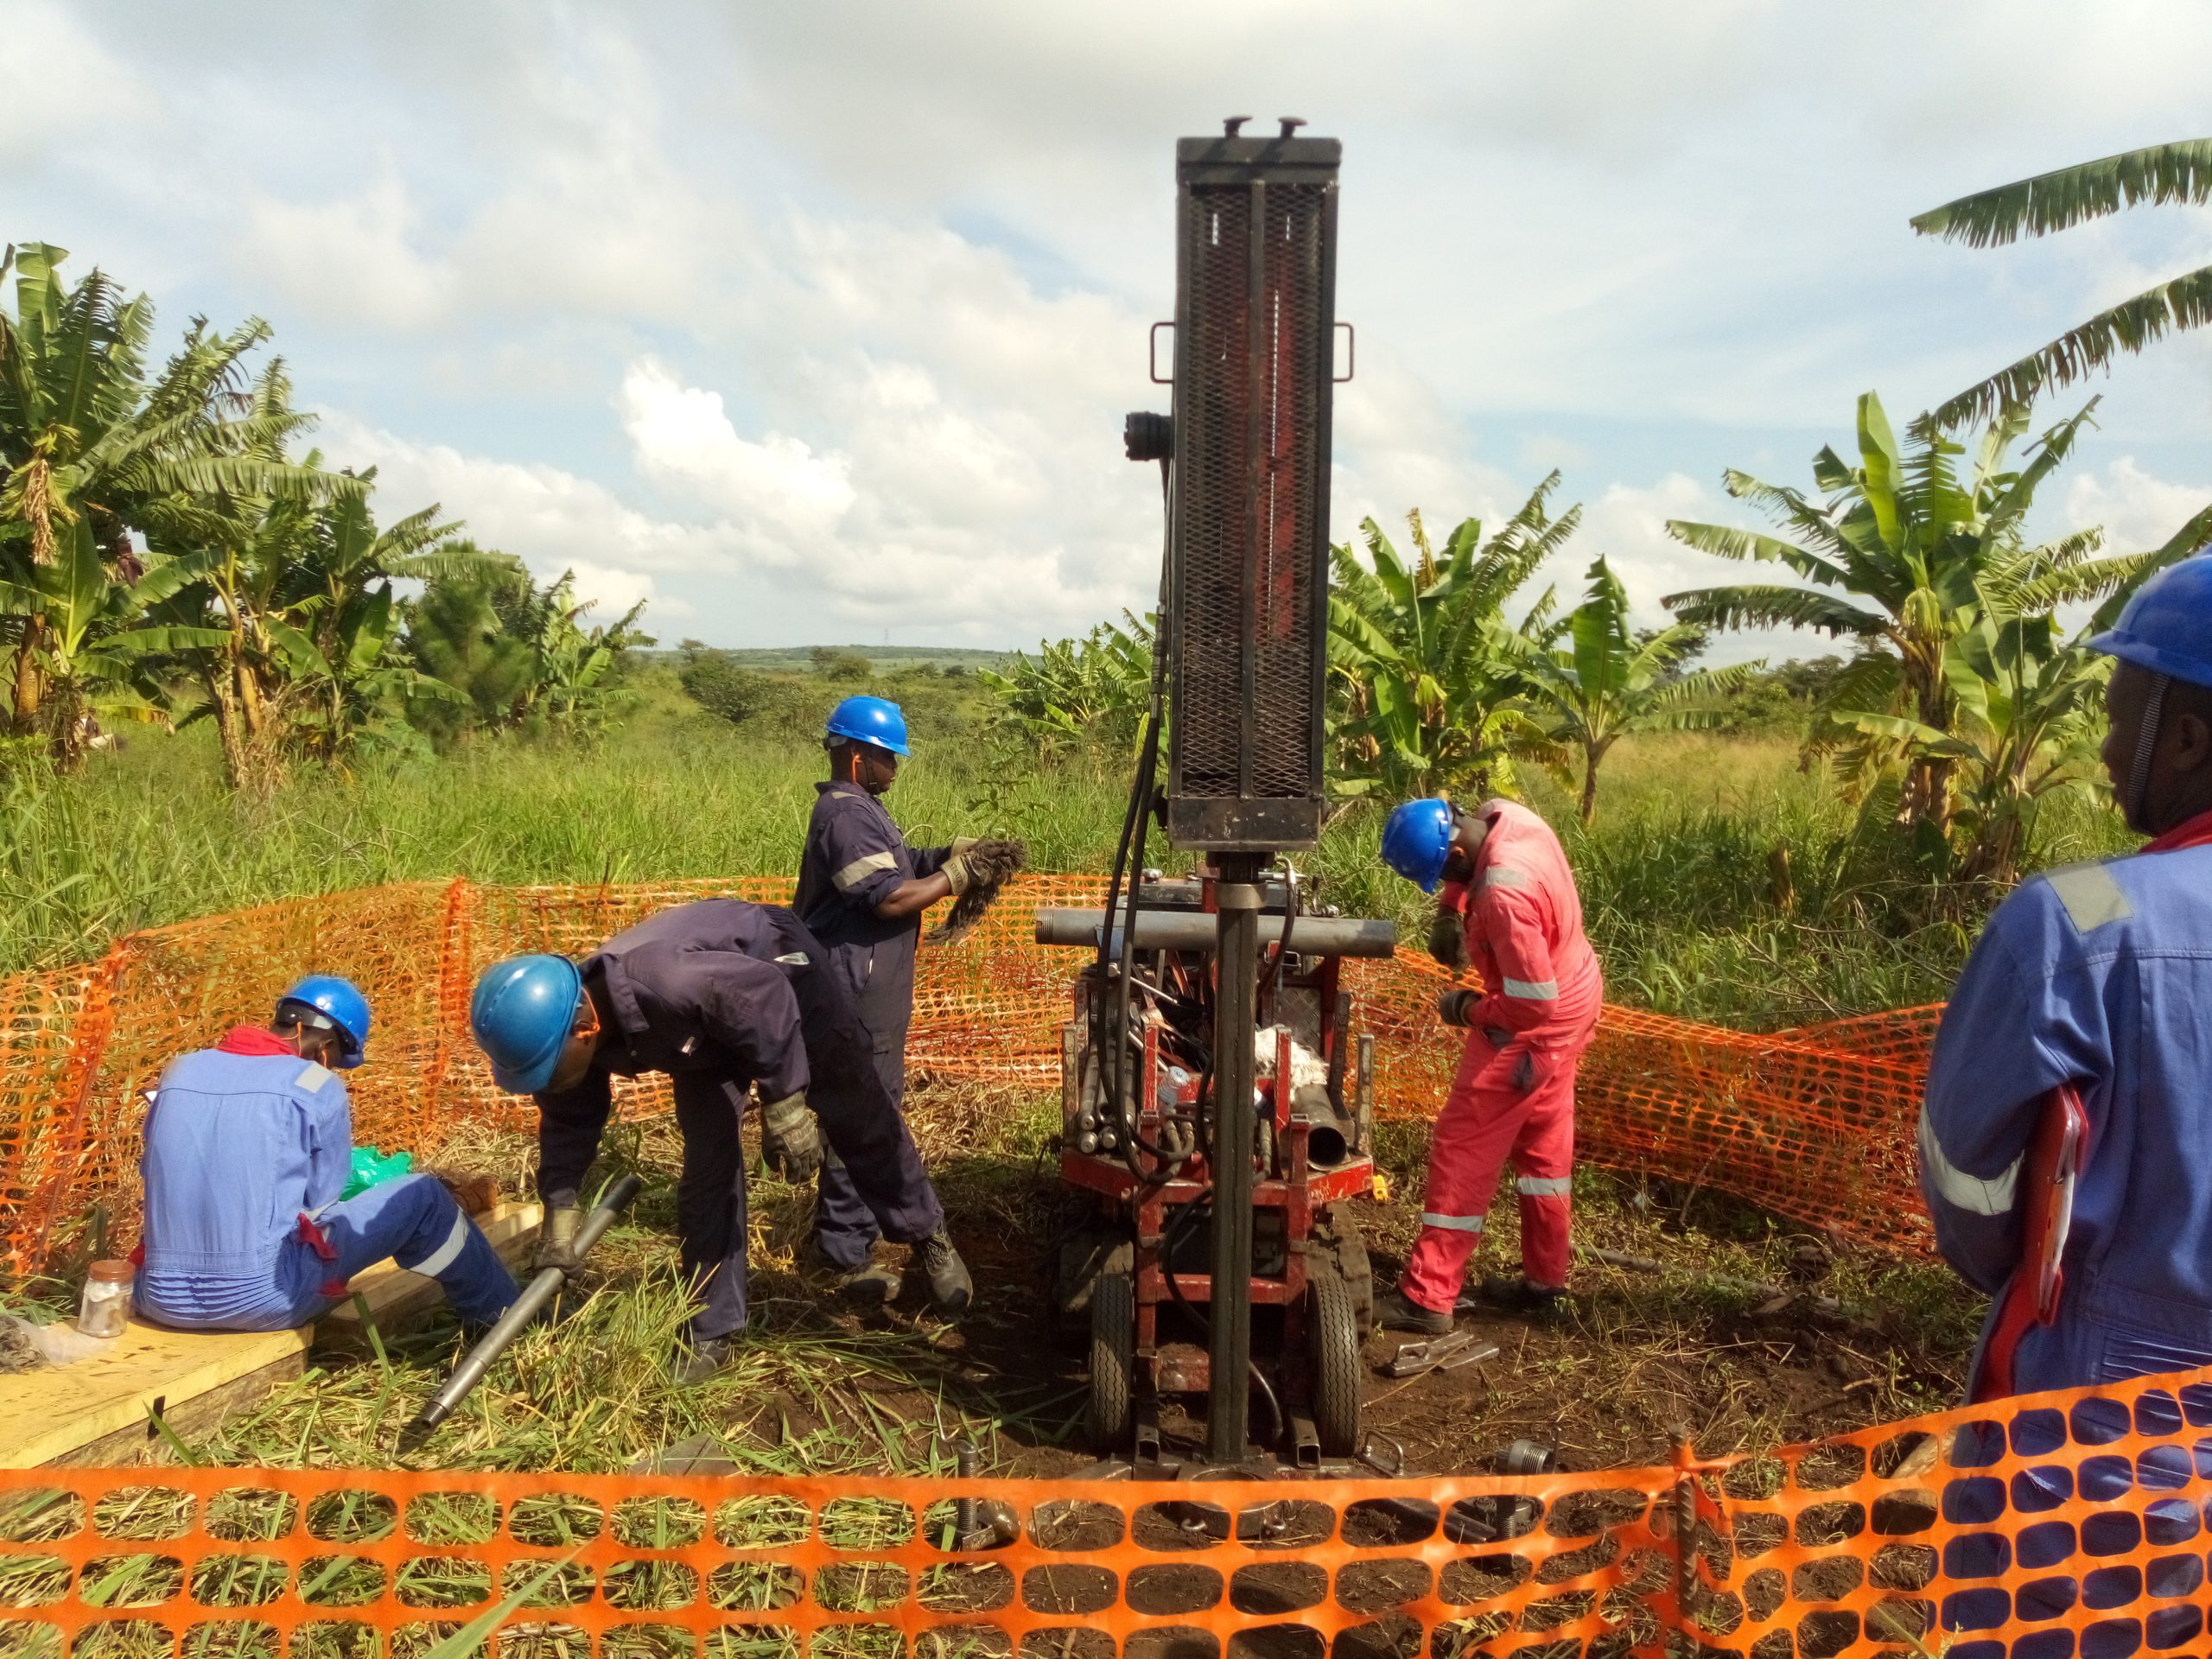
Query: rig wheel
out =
(1341, 1234)
(1110, 1415)
(1332, 1329)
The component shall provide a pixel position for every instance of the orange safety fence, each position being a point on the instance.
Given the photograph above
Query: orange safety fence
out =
(1814, 1124)
(2044, 1527)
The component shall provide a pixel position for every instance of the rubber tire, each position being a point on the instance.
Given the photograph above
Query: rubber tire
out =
(1351, 1251)
(1110, 1415)
(1332, 1330)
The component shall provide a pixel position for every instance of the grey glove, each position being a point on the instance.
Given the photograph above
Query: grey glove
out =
(1455, 1006)
(1447, 938)
(556, 1239)
(791, 1140)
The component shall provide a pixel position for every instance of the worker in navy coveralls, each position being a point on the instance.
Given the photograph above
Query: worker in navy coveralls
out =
(862, 891)
(725, 997)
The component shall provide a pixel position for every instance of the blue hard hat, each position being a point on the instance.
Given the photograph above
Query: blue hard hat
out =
(870, 720)
(2167, 625)
(522, 1013)
(1417, 841)
(342, 1004)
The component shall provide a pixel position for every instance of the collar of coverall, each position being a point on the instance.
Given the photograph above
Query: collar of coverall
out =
(2191, 832)
(620, 993)
(253, 1040)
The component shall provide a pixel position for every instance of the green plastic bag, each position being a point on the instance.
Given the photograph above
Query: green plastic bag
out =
(372, 1169)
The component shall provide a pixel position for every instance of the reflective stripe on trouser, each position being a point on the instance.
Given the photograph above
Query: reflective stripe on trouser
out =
(415, 1221)
(1485, 1119)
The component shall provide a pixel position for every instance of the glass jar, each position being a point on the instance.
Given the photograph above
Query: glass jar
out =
(105, 1308)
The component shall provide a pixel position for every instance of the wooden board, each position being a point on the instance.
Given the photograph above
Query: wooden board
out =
(95, 1409)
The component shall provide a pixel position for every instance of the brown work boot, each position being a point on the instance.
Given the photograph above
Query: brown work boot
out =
(872, 1284)
(1396, 1310)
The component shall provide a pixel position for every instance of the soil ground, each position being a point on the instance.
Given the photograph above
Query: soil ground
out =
(818, 1389)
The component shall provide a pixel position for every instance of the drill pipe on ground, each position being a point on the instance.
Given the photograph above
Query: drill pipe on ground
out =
(534, 1295)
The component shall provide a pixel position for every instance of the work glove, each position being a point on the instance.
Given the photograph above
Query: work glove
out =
(556, 1240)
(790, 1141)
(955, 870)
(1455, 1005)
(474, 1192)
(961, 843)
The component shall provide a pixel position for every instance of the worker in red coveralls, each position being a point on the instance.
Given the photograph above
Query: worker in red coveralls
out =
(1510, 910)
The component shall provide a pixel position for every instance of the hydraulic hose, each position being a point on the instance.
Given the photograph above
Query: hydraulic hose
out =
(525, 1307)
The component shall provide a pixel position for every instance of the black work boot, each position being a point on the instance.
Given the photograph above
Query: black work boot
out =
(951, 1288)
(1519, 1296)
(1396, 1310)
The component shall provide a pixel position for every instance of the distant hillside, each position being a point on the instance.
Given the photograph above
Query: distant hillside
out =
(799, 659)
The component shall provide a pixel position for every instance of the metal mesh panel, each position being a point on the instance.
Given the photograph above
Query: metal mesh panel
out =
(1213, 424)
(1255, 270)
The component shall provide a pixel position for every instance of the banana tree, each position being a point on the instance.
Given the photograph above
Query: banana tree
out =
(2027, 728)
(574, 663)
(1424, 699)
(2169, 173)
(1894, 556)
(85, 439)
(1603, 683)
(92, 647)
(1076, 693)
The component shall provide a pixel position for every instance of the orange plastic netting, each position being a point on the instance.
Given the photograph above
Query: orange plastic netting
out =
(2048, 1526)
(1814, 1124)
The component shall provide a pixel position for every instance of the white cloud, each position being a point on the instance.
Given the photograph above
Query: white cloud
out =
(346, 258)
(681, 436)
(2138, 511)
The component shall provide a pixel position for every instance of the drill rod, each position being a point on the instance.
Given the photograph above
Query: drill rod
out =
(534, 1295)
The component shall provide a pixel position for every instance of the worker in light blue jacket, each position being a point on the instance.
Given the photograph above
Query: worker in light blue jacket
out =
(2098, 976)
(248, 1146)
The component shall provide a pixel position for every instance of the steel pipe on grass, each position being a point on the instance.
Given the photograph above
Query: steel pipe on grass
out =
(511, 1325)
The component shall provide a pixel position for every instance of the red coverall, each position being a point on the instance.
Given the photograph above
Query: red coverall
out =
(1541, 993)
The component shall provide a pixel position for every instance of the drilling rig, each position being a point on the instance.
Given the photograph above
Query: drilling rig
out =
(1213, 1111)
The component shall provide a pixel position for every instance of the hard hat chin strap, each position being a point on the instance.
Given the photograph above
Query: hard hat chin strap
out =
(2146, 742)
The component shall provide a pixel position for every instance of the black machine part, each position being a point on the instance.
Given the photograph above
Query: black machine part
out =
(534, 1295)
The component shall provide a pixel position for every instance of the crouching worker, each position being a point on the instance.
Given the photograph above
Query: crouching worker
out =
(1509, 906)
(247, 1147)
(725, 997)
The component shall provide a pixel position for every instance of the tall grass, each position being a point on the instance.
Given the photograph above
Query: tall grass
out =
(1719, 881)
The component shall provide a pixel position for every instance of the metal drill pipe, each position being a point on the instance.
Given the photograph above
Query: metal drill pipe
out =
(1194, 930)
(1236, 1018)
(477, 1360)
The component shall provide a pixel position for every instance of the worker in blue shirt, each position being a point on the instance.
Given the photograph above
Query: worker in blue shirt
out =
(861, 892)
(729, 1000)
(247, 1147)
(2098, 976)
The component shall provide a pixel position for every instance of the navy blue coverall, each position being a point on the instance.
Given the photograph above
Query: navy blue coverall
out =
(855, 857)
(723, 997)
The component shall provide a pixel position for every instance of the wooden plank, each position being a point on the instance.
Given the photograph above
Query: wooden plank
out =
(189, 1418)
(47, 1414)
(98, 1406)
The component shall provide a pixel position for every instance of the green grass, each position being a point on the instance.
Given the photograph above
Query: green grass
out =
(1677, 876)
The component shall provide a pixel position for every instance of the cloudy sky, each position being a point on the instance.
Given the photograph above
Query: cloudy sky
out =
(815, 321)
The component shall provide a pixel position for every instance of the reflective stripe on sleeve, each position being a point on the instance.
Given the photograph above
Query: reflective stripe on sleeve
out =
(1532, 990)
(1958, 1189)
(1545, 1186)
(447, 1253)
(861, 868)
(1504, 875)
(1453, 1223)
(2092, 897)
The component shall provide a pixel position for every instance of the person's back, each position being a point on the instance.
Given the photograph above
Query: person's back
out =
(276, 1130)
(2099, 974)
(1524, 889)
